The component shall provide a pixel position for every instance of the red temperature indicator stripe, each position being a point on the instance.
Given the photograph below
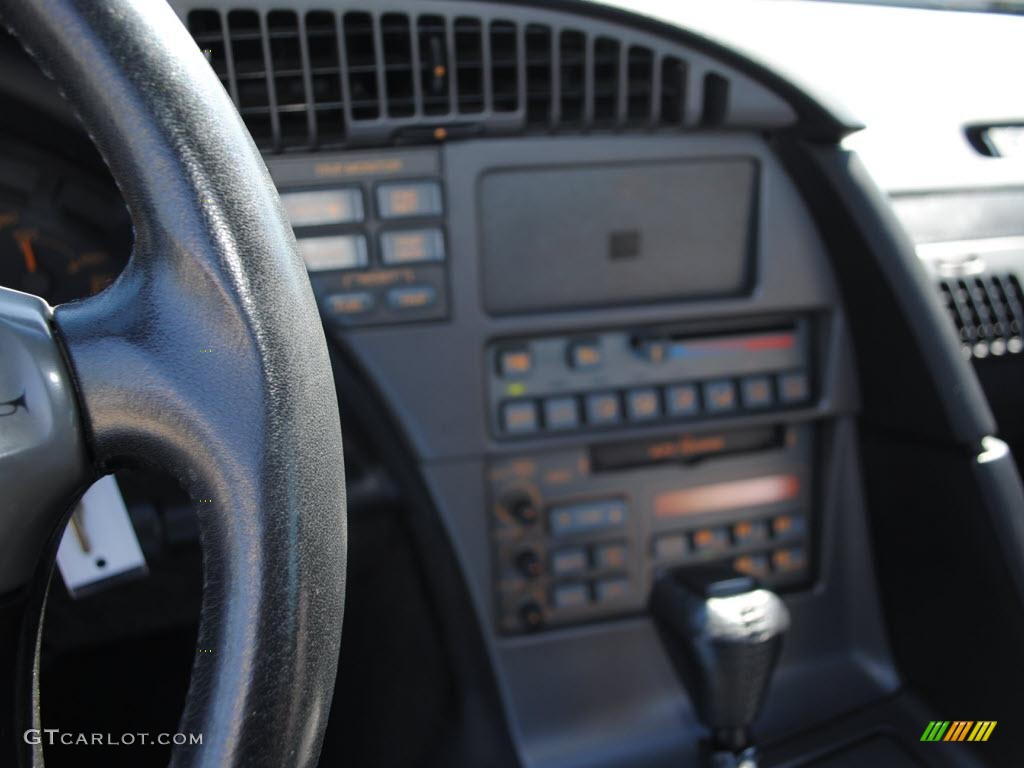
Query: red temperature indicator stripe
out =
(734, 494)
(775, 341)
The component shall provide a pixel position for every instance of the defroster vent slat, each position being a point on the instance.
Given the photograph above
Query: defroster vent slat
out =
(323, 78)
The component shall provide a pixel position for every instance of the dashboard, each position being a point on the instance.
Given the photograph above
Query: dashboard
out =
(602, 318)
(571, 255)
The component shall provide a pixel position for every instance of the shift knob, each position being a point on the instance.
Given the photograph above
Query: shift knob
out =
(723, 636)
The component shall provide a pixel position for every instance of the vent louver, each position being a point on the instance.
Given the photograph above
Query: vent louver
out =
(988, 312)
(356, 78)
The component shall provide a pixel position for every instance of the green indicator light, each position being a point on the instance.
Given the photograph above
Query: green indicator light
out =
(516, 389)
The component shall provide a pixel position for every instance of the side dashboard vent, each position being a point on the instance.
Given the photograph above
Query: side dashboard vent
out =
(306, 80)
(988, 313)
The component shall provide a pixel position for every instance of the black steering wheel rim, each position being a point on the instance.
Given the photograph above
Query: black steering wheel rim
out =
(207, 358)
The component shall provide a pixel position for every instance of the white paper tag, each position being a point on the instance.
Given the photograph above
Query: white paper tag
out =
(99, 542)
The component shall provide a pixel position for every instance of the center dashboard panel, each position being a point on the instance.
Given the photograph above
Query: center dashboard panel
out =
(614, 345)
(579, 534)
(575, 449)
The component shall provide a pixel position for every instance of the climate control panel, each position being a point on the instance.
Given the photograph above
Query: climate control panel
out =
(593, 382)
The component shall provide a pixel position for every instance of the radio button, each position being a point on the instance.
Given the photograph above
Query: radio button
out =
(586, 517)
(603, 410)
(570, 595)
(412, 246)
(585, 355)
(748, 531)
(720, 396)
(681, 400)
(610, 556)
(671, 546)
(710, 539)
(404, 199)
(566, 562)
(756, 392)
(794, 388)
(751, 565)
(787, 525)
(642, 404)
(609, 590)
(519, 417)
(789, 560)
(561, 413)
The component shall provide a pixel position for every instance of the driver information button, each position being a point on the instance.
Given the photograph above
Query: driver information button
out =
(351, 303)
(412, 246)
(333, 206)
(401, 199)
(337, 252)
(412, 297)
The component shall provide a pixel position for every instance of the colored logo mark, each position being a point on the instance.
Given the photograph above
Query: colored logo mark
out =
(958, 730)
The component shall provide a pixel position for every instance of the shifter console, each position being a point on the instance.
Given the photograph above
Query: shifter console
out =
(723, 636)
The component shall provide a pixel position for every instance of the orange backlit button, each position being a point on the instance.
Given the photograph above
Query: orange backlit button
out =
(519, 417)
(350, 303)
(412, 246)
(710, 539)
(514, 362)
(748, 531)
(751, 565)
(793, 388)
(412, 297)
(585, 355)
(396, 200)
(787, 525)
(643, 404)
(788, 560)
(720, 396)
(681, 400)
(756, 392)
(603, 409)
(610, 556)
(607, 590)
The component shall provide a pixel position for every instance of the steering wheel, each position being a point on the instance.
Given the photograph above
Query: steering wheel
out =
(206, 358)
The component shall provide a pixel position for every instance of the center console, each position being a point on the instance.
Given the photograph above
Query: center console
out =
(610, 359)
(579, 533)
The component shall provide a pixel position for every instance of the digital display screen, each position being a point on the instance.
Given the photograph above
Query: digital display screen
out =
(334, 206)
(719, 497)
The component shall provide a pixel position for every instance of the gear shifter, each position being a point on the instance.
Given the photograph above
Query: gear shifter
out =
(723, 634)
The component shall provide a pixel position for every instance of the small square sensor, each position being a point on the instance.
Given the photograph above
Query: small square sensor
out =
(624, 245)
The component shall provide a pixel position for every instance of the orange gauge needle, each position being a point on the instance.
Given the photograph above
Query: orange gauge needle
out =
(25, 243)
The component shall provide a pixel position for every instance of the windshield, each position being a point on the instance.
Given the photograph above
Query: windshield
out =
(988, 6)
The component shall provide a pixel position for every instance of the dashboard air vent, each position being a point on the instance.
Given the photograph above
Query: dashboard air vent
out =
(988, 312)
(306, 80)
